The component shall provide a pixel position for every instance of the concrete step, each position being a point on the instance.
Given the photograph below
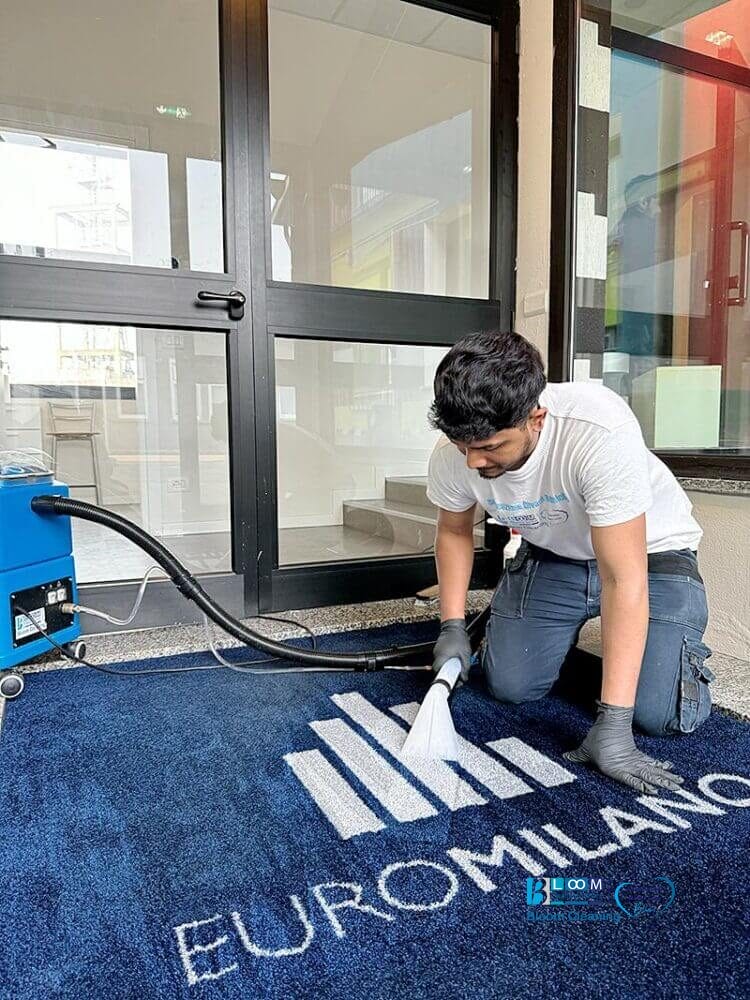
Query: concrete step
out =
(408, 489)
(408, 524)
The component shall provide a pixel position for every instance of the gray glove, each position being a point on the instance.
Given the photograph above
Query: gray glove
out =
(453, 641)
(610, 747)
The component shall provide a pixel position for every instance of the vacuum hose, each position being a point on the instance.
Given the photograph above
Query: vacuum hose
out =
(189, 586)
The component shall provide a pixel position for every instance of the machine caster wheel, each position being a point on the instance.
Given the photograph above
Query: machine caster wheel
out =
(11, 685)
(76, 649)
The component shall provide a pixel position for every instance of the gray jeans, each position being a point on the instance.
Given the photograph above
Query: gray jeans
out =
(543, 600)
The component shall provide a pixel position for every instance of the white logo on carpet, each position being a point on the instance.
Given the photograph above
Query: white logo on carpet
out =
(399, 798)
(212, 947)
(215, 946)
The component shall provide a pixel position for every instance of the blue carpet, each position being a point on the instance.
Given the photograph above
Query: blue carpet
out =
(157, 844)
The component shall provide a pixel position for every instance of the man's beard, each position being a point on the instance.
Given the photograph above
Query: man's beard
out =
(495, 471)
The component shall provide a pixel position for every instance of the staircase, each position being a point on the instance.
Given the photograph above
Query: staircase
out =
(404, 515)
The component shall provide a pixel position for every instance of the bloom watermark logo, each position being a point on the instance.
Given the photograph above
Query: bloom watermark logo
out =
(567, 900)
(561, 891)
(630, 898)
(638, 898)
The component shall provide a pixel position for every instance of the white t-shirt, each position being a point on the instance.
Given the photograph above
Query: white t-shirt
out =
(590, 467)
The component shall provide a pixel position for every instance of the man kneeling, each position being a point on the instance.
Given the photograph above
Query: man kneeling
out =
(607, 530)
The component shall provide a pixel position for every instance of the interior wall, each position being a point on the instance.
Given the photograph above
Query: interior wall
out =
(724, 565)
(534, 171)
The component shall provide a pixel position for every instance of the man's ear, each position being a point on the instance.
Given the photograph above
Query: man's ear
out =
(537, 418)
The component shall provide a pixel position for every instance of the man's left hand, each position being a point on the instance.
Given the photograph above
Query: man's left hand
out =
(610, 747)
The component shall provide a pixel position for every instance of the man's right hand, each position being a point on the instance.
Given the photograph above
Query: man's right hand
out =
(453, 641)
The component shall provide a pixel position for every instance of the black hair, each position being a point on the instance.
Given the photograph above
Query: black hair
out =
(486, 383)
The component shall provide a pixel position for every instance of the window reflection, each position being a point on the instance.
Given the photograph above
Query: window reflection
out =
(718, 28)
(379, 147)
(135, 420)
(353, 443)
(95, 163)
(677, 316)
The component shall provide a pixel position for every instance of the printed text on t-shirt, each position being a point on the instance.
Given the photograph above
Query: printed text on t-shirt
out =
(512, 514)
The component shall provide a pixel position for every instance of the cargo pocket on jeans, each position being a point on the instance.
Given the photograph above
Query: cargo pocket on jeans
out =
(695, 676)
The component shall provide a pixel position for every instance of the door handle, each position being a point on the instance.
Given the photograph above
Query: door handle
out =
(234, 300)
(739, 281)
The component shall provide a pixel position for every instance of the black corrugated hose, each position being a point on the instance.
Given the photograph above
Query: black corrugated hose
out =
(192, 590)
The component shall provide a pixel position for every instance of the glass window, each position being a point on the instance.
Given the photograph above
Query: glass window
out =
(380, 129)
(110, 135)
(135, 420)
(719, 28)
(677, 312)
(353, 443)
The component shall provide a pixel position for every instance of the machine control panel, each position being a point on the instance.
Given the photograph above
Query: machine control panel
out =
(43, 604)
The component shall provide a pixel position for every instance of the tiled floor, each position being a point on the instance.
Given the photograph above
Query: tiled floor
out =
(170, 640)
(730, 690)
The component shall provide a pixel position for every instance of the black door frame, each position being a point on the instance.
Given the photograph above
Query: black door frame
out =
(343, 314)
(154, 298)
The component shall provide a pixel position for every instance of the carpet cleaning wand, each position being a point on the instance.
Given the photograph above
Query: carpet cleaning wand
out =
(433, 735)
(54, 505)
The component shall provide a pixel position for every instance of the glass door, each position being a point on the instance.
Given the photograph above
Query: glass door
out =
(123, 274)
(662, 312)
(387, 236)
(677, 340)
